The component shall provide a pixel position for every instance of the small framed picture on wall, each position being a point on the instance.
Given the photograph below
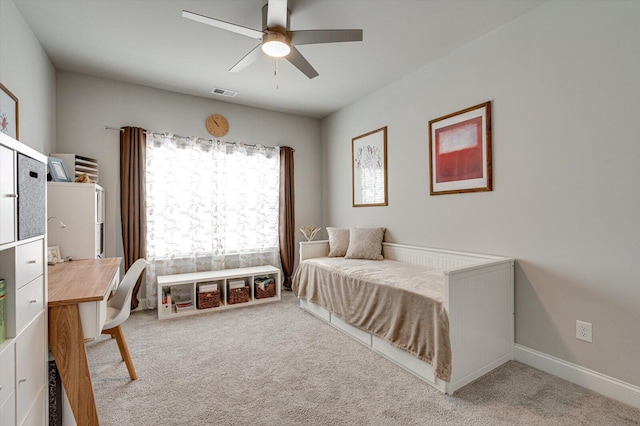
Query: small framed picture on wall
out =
(8, 113)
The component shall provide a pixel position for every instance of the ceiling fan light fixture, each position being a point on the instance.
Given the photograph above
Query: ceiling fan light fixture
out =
(276, 45)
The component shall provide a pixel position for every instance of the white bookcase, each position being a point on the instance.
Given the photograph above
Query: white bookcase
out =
(81, 207)
(184, 288)
(23, 354)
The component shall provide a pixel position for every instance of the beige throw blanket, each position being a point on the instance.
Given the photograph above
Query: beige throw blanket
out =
(396, 301)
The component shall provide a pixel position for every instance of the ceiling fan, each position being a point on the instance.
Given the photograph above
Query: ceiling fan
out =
(276, 38)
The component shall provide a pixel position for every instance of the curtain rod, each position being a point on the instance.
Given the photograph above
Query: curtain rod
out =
(186, 137)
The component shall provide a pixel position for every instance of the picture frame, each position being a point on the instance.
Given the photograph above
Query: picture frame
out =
(369, 169)
(9, 118)
(460, 151)
(58, 170)
(53, 255)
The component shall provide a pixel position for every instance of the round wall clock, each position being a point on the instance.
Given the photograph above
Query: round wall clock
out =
(217, 125)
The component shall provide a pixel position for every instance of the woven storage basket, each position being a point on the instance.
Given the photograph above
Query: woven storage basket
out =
(209, 299)
(239, 295)
(269, 290)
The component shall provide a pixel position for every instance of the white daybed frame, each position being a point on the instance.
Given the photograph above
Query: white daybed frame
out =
(479, 302)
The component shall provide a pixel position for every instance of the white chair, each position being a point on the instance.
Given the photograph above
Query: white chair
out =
(119, 309)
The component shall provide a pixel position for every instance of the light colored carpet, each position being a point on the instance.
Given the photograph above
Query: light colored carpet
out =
(274, 364)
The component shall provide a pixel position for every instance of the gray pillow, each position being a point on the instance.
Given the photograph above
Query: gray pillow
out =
(365, 243)
(338, 241)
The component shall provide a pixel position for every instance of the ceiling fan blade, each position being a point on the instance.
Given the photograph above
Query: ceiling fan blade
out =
(324, 36)
(296, 58)
(248, 59)
(277, 14)
(239, 29)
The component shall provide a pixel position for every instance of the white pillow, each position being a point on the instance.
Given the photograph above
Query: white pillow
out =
(338, 241)
(365, 243)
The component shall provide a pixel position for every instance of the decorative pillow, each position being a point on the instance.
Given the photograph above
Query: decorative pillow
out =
(338, 241)
(365, 243)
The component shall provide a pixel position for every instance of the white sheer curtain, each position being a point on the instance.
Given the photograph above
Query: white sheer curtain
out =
(210, 205)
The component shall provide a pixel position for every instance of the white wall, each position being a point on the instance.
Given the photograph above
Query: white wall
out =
(27, 72)
(85, 105)
(563, 81)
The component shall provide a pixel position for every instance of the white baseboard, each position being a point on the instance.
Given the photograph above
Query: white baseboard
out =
(592, 380)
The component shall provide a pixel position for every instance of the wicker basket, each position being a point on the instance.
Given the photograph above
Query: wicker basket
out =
(209, 299)
(239, 295)
(269, 289)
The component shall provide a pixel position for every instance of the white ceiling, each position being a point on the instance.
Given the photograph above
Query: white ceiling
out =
(147, 42)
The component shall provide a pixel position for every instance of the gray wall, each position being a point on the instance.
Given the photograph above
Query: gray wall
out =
(28, 73)
(564, 84)
(85, 105)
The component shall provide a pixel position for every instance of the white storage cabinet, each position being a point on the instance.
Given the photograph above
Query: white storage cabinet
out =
(23, 355)
(184, 287)
(81, 207)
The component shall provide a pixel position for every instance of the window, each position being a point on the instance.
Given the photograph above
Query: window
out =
(210, 205)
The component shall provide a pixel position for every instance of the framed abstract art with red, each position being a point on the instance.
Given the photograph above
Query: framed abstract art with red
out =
(460, 151)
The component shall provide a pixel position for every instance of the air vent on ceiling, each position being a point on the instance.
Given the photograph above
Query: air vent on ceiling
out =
(224, 92)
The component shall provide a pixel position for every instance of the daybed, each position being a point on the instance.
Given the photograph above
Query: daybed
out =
(447, 317)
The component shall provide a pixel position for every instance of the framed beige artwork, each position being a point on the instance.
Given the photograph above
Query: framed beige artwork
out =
(369, 168)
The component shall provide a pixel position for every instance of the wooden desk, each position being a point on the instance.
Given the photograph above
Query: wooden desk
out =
(73, 285)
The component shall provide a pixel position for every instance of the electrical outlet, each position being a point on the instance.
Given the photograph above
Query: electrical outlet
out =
(584, 331)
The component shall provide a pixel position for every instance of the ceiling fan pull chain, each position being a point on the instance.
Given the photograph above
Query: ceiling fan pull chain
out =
(275, 73)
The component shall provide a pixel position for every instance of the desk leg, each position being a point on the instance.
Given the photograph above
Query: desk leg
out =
(66, 341)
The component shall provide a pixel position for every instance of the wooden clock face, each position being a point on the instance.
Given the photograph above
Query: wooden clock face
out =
(217, 125)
